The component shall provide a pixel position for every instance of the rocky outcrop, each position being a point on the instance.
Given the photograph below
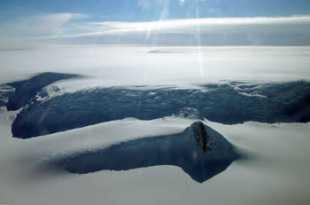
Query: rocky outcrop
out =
(201, 136)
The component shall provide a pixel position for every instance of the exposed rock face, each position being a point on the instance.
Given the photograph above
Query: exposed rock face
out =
(190, 150)
(201, 136)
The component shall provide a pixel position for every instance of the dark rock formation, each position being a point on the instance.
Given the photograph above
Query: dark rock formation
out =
(201, 136)
(182, 150)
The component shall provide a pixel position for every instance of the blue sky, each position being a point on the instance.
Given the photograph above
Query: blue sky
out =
(152, 10)
(156, 22)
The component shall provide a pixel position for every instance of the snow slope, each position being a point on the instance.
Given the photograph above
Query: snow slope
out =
(276, 172)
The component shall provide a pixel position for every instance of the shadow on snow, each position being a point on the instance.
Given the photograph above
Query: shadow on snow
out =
(199, 151)
(227, 103)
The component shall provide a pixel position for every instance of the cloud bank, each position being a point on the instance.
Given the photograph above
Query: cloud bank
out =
(71, 28)
(24, 33)
(202, 32)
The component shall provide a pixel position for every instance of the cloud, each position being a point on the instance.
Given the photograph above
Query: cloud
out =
(69, 28)
(26, 33)
(39, 25)
(209, 31)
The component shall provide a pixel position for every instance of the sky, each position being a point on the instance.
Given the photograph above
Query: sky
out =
(154, 22)
(153, 10)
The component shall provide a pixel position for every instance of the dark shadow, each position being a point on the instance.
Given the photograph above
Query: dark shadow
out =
(227, 103)
(199, 150)
(26, 90)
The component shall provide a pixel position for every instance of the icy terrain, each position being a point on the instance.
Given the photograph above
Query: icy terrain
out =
(227, 102)
(157, 127)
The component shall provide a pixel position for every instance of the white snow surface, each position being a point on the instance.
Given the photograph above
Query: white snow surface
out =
(276, 173)
(119, 66)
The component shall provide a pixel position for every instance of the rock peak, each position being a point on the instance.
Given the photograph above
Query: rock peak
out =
(201, 135)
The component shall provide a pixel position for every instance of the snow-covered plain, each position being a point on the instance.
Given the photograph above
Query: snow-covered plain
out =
(275, 171)
(119, 65)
